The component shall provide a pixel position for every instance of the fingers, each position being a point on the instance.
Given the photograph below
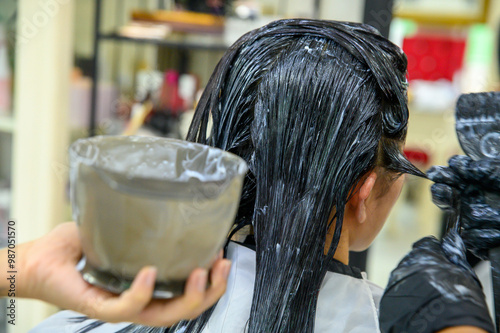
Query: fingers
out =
(136, 304)
(132, 301)
(481, 216)
(218, 277)
(484, 173)
(454, 249)
(444, 196)
(480, 241)
(445, 175)
(487, 172)
(430, 243)
(218, 282)
(194, 294)
(196, 299)
(459, 162)
(472, 178)
(168, 312)
(463, 170)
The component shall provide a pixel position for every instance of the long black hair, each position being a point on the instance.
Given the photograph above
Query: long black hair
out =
(312, 106)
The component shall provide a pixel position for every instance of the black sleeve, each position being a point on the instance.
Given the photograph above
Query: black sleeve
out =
(435, 311)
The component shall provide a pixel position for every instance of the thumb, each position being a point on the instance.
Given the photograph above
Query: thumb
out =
(444, 175)
(454, 249)
(444, 196)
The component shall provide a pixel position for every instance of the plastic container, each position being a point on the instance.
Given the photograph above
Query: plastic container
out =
(151, 201)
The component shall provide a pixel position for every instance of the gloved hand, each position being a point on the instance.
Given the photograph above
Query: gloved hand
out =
(475, 187)
(433, 288)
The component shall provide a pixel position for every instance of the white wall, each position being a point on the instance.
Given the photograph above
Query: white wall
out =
(43, 64)
(342, 10)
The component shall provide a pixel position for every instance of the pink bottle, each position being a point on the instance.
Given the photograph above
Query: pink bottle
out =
(170, 98)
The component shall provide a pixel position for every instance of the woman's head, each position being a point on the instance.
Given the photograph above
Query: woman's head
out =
(359, 86)
(367, 209)
(314, 107)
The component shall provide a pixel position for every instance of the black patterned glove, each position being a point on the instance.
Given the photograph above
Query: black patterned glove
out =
(434, 288)
(473, 186)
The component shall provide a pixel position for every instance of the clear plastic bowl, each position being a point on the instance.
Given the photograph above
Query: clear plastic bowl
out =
(151, 201)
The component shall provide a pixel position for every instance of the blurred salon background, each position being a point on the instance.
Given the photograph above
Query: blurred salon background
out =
(76, 68)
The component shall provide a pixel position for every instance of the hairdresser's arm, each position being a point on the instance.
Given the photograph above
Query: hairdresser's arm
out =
(434, 289)
(46, 271)
(463, 329)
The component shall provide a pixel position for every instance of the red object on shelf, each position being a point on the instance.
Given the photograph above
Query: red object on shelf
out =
(169, 98)
(433, 57)
(417, 156)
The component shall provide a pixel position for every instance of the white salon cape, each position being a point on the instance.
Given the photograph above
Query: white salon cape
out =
(347, 302)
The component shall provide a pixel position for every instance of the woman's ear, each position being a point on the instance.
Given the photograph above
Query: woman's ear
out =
(363, 194)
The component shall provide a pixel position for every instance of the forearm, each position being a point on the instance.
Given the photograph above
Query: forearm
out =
(463, 329)
(13, 270)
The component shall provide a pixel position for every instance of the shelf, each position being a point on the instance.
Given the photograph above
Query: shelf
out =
(198, 44)
(7, 124)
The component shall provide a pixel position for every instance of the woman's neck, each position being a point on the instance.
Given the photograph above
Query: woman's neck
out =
(342, 252)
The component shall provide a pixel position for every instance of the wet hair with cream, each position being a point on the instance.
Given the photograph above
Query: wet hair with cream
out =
(312, 106)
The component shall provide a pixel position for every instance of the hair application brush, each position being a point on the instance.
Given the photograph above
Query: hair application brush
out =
(478, 131)
(478, 125)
